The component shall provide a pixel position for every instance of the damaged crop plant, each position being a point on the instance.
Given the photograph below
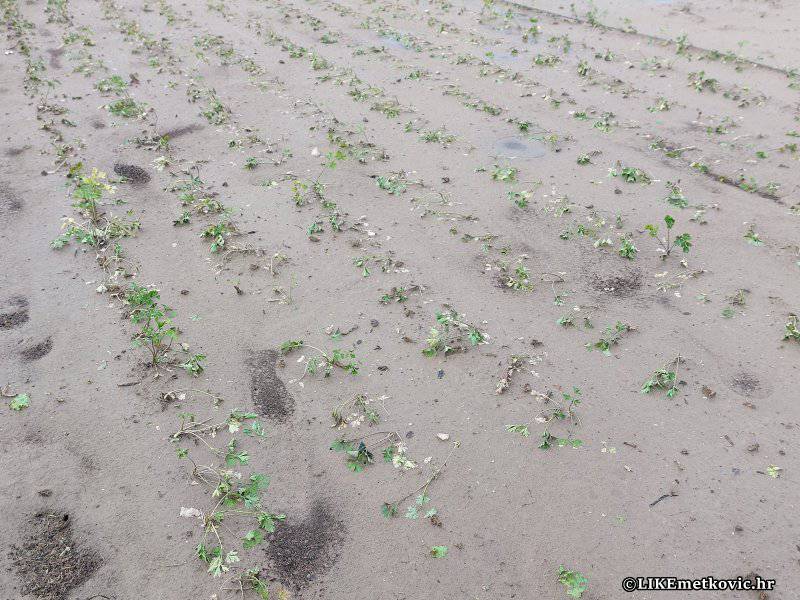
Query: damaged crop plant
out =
(338, 280)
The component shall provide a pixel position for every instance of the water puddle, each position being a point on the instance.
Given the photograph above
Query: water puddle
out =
(517, 147)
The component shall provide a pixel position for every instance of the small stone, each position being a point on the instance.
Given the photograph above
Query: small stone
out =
(443, 436)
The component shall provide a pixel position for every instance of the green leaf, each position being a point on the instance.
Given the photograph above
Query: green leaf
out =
(19, 402)
(252, 538)
(439, 551)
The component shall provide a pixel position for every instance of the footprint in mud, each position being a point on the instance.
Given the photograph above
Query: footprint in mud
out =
(37, 351)
(136, 175)
(299, 551)
(49, 563)
(16, 313)
(268, 392)
(748, 385)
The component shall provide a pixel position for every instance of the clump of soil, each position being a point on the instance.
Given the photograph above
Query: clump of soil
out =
(619, 284)
(49, 563)
(137, 175)
(748, 385)
(37, 351)
(17, 316)
(301, 550)
(268, 392)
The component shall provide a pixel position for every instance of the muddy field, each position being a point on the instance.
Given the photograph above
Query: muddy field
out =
(388, 300)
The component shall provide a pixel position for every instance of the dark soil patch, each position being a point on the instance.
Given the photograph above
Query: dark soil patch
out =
(55, 57)
(300, 551)
(268, 392)
(37, 351)
(9, 201)
(14, 318)
(15, 150)
(177, 132)
(748, 385)
(619, 284)
(136, 175)
(49, 563)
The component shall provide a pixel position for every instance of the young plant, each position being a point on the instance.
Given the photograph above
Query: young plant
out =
(560, 412)
(573, 581)
(791, 331)
(630, 174)
(323, 361)
(664, 378)
(359, 454)
(235, 495)
(626, 247)
(218, 234)
(448, 337)
(506, 174)
(610, 338)
(683, 241)
(157, 332)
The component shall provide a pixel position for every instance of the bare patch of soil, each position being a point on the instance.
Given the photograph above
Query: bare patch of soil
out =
(299, 551)
(49, 563)
(268, 392)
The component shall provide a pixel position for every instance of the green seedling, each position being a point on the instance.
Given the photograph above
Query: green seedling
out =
(194, 364)
(610, 338)
(98, 228)
(700, 82)
(630, 174)
(752, 237)
(519, 279)
(218, 234)
(661, 105)
(676, 197)
(235, 496)
(439, 136)
(520, 197)
(359, 454)
(664, 378)
(396, 294)
(19, 402)
(565, 412)
(506, 174)
(354, 412)
(683, 241)
(114, 84)
(573, 581)
(420, 495)
(157, 332)
(584, 159)
(127, 108)
(791, 331)
(323, 362)
(385, 263)
(438, 551)
(626, 247)
(394, 183)
(448, 336)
